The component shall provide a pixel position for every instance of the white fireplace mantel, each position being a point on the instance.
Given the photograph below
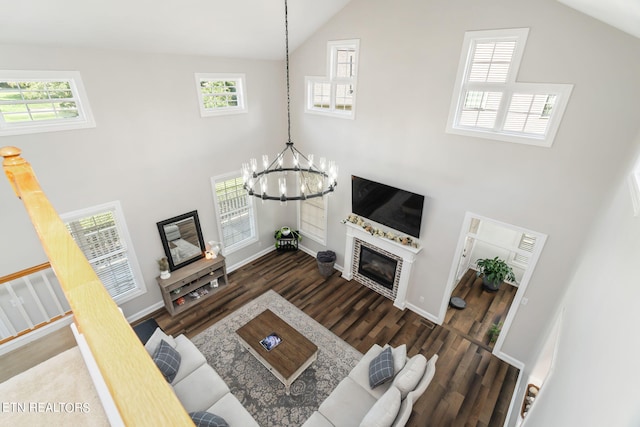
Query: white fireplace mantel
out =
(407, 253)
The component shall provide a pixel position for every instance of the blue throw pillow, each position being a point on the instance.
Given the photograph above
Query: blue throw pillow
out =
(168, 360)
(381, 368)
(207, 419)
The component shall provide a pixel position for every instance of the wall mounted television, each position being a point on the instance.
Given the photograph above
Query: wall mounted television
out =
(386, 205)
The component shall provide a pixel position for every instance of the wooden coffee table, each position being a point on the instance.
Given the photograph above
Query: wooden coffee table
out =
(288, 359)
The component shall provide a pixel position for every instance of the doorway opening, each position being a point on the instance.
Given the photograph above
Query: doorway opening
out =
(485, 311)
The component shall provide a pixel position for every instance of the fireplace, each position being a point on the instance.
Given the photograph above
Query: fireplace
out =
(391, 280)
(377, 267)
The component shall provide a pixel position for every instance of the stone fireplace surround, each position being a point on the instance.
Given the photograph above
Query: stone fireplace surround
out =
(406, 255)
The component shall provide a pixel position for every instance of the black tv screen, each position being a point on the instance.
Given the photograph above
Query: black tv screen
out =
(390, 206)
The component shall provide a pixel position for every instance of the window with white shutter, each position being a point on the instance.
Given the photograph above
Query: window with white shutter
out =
(312, 213)
(42, 101)
(335, 94)
(488, 102)
(526, 245)
(234, 207)
(102, 236)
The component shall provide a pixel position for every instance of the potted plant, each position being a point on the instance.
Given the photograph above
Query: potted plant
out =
(163, 265)
(286, 238)
(494, 272)
(494, 331)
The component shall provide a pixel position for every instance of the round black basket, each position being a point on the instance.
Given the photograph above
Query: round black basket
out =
(326, 259)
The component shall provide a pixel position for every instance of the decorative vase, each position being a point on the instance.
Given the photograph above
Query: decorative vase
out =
(165, 274)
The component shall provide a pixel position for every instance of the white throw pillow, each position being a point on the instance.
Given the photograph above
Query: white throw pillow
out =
(407, 380)
(154, 341)
(384, 412)
(399, 358)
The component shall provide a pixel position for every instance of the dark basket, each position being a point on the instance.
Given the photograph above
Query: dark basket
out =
(326, 259)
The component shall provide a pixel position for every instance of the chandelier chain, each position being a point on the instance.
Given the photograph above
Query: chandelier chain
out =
(286, 42)
(312, 180)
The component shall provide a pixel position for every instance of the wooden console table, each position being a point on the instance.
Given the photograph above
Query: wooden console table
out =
(204, 275)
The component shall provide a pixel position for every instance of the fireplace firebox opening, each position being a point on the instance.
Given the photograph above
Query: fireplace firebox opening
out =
(377, 267)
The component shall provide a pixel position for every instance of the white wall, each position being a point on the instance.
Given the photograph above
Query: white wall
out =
(596, 371)
(409, 53)
(150, 149)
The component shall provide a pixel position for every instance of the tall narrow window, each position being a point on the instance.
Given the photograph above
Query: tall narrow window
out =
(102, 235)
(312, 213)
(42, 101)
(235, 211)
(221, 94)
(488, 102)
(335, 94)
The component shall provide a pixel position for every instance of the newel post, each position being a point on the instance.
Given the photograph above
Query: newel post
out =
(11, 160)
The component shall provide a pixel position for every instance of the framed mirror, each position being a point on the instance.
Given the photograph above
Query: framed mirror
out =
(182, 239)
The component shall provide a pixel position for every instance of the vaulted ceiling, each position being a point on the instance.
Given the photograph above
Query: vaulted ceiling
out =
(222, 28)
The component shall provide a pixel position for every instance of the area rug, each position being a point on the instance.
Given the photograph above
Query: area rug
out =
(258, 390)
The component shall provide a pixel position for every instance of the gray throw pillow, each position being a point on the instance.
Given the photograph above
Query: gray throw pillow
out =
(207, 419)
(381, 368)
(168, 360)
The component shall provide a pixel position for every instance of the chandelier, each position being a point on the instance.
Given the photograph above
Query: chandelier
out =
(309, 179)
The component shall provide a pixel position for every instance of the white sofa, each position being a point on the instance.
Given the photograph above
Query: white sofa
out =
(355, 403)
(198, 386)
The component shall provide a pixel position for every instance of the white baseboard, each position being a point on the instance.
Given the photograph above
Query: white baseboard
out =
(145, 312)
(234, 267)
(423, 313)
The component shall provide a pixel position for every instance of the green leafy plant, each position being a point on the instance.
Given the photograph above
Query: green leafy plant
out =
(494, 331)
(495, 271)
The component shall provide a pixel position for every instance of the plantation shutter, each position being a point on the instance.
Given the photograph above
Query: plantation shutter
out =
(527, 243)
(99, 238)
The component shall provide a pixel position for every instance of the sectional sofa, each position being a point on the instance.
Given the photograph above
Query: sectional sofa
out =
(355, 403)
(196, 384)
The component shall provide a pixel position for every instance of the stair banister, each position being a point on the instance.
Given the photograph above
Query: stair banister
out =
(140, 392)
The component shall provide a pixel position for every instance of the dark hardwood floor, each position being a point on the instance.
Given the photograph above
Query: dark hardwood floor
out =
(483, 309)
(471, 387)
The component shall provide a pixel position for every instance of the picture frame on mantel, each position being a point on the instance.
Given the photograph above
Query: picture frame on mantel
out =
(182, 239)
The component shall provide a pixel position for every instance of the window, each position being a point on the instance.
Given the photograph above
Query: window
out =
(42, 101)
(335, 94)
(234, 207)
(221, 94)
(488, 102)
(102, 235)
(312, 218)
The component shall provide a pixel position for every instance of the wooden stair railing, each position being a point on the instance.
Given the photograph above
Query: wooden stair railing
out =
(22, 274)
(141, 394)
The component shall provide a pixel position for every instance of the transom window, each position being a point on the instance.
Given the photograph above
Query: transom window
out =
(42, 101)
(221, 94)
(335, 94)
(102, 235)
(488, 102)
(236, 217)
